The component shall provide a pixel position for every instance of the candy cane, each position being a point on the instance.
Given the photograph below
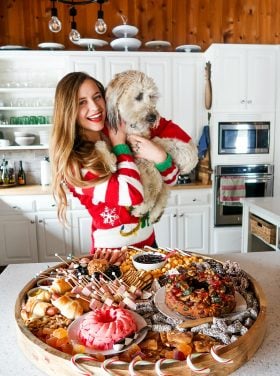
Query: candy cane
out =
(217, 357)
(81, 369)
(202, 370)
(158, 370)
(108, 362)
(131, 367)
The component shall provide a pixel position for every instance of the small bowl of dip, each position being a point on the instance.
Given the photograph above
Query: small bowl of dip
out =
(148, 261)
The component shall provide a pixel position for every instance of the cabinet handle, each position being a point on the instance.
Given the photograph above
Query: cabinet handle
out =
(194, 199)
(53, 205)
(243, 101)
(15, 207)
(32, 222)
(40, 221)
(181, 215)
(250, 101)
(174, 215)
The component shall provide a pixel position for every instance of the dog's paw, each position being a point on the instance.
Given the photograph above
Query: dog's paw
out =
(109, 158)
(139, 211)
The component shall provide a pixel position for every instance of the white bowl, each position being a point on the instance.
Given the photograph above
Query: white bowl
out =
(4, 142)
(144, 261)
(22, 134)
(24, 141)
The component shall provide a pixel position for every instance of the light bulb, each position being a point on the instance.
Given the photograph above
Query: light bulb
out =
(100, 26)
(54, 24)
(74, 35)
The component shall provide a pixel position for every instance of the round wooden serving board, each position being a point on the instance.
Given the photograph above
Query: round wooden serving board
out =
(54, 362)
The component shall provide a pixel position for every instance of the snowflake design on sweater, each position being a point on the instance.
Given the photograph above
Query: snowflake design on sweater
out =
(109, 216)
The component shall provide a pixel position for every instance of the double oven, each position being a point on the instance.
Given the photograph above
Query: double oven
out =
(243, 169)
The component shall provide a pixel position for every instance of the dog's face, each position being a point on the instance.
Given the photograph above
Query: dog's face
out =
(132, 96)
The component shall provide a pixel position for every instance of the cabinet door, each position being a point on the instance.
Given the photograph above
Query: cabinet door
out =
(244, 78)
(159, 68)
(165, 229)
(53, 237)
(114, 65)
(229, 80)
(261, 94)
(188, 100)
(18, 239)
(90, 65)
(193, 228)
(81, 227)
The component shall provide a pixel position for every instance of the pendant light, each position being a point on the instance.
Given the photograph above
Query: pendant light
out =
(55, 24)
(100, 26)
(74, 35)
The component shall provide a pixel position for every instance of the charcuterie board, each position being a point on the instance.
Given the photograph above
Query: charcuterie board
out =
(223, 359)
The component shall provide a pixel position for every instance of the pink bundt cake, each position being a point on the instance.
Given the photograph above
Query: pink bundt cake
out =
(102, 328)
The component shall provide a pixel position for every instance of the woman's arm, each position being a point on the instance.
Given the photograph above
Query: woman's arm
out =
(147, 149)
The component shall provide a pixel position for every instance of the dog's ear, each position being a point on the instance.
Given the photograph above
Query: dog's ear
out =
(114, 92)
(112, 108)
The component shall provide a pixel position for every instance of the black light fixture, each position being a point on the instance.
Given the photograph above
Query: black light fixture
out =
(100, 26)
(74, 35)
(55, 24)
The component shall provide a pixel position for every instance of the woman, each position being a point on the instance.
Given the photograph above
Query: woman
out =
(79, 122)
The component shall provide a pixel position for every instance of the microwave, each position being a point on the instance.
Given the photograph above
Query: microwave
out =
(244, 137)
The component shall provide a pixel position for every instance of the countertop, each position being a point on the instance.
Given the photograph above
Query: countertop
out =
(268, 206)
(45, 190)
(263, 266)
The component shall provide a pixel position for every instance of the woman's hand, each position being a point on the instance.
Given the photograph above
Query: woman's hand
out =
(119, 136)
(147, 149)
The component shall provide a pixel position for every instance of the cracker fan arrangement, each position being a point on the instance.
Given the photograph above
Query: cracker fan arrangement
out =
(107, 314)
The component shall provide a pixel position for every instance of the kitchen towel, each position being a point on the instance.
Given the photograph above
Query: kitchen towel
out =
(203, 142)
(232, 189)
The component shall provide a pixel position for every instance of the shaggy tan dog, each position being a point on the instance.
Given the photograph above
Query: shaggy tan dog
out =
(132, 96)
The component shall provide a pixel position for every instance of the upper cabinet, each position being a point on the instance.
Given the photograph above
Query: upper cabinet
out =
(178, 76)
(243, 77)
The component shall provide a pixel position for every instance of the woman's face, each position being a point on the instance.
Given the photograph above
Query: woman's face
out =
(92, 109)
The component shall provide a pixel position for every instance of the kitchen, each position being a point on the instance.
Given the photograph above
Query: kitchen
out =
(179, 74)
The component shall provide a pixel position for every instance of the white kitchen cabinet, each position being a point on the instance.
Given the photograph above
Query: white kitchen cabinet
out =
(159, 68)
(188, 98)
(87, 64)
(118, 64)
(52, 237)
(17, 230)
(185, 224)
(166, 228)
(81, 232)
(243, 77)
(193, 228)
(18, 239)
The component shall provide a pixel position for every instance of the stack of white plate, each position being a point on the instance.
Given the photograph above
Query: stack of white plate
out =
(125, 40)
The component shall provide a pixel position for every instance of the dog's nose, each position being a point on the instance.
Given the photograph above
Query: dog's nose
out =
(151, 118)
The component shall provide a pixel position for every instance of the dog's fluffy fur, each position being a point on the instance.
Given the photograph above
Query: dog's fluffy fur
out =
(132, 96)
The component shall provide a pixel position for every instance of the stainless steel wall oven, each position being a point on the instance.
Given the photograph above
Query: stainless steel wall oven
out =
(231, 183)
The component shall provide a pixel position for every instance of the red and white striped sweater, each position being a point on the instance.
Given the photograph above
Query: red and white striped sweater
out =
(110, 202)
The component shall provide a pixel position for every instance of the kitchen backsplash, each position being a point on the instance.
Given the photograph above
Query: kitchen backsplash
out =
(31, 161)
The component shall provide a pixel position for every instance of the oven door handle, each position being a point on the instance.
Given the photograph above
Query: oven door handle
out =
(258, 180)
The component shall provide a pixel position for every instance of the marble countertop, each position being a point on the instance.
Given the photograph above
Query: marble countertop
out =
(263, 266)
(268, 206)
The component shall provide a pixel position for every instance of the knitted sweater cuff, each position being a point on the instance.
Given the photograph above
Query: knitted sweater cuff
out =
(165, 164)
(121, 149)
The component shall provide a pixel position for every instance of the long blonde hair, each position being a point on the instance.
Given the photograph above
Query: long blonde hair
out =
(68, 150)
